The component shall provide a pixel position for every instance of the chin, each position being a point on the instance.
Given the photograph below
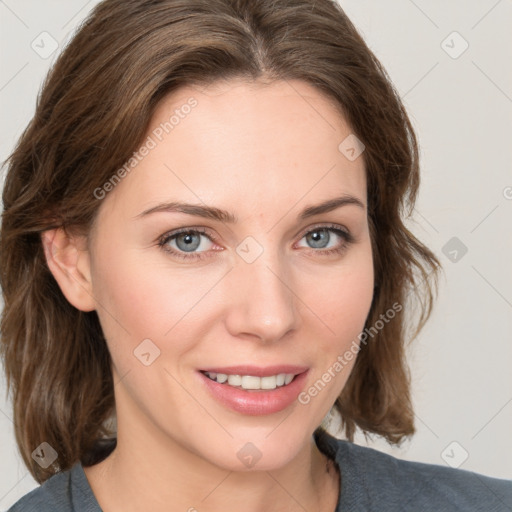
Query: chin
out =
(266, 450)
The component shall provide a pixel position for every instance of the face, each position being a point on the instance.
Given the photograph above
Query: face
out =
(277, 289)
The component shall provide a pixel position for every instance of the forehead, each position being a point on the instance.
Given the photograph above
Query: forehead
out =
(243, 146)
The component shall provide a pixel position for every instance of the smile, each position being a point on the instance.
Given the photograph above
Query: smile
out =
(238, 389)
(251, 381)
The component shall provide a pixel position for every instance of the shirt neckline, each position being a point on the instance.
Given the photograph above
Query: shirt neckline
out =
(330, 447)
(81, 483)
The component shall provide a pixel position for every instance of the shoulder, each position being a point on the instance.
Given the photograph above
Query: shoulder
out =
(383, 482)
(53, 494)
(65, 491)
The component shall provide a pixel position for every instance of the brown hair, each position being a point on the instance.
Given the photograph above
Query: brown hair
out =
(93, 112)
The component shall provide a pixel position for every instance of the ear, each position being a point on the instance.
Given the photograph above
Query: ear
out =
(67, 257)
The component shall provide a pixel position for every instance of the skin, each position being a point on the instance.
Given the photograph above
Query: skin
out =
(263, 152)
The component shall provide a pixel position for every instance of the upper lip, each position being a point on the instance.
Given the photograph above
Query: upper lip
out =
(257, 371)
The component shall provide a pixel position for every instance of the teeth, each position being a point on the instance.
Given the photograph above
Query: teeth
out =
(269, 382)
(234, 380)
(249, 382)
(252, 382)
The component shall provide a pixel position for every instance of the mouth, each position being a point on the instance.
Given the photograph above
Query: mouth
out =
(255, 391)
(252, 382)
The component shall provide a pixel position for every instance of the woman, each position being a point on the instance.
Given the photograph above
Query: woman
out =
(203, 255)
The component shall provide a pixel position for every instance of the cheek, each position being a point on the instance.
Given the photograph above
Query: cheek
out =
(344, 304)
(127, 300)
(140, 299)
(344, 301)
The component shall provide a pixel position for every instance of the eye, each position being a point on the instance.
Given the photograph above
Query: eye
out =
(321, 236)
(185, 242)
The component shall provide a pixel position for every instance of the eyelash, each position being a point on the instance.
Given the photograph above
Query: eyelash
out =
(167, 237)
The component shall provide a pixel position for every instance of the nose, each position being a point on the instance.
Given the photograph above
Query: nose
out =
(262, 303)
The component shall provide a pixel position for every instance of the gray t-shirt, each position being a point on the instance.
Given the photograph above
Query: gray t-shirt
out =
(371, 481)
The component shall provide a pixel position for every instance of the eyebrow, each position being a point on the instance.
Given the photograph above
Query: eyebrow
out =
(211, 212)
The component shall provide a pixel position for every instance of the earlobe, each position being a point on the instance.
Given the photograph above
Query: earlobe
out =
(67, 258)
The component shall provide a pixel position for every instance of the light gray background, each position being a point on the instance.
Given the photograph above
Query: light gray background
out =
(462, 111)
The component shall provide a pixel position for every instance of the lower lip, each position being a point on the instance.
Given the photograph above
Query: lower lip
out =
(255, 402)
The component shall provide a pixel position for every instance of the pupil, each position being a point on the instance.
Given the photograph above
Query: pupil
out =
(317, 237)
(185, 242)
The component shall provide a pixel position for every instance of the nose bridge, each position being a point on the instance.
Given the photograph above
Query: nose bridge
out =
(262, 302)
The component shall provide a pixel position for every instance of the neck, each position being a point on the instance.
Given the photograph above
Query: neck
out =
(184, 481)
